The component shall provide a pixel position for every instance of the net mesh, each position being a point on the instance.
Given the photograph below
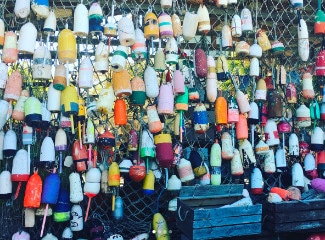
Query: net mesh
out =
(276, 17)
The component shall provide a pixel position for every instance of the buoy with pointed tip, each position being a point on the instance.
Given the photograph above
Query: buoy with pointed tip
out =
(257, 182)
(95, 15)
(10, 144)
(297, 175)
(215, 163)
(303, 40)
(80, 21)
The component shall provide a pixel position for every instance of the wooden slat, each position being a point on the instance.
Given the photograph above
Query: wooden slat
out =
(299, 216)
(294, 206)
(227, 231)
(202, 214)
(211, 201)
(209, 190)
(218, 221)
(295, 226)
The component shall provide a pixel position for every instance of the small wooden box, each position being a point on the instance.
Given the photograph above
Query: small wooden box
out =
(199, 215)
(294, 216)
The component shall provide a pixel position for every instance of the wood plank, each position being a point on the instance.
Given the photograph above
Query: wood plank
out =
(211, 202)
(294, 206)
(227, 231)
(210, 190)
(203, 214)
(218, 221)
(295, 226)
(299, 216)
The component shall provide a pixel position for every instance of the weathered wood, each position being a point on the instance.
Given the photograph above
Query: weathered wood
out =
(210, 201)
(209, 190)
(294, 206)
(295, 226)
(219, 221)
(284, 217)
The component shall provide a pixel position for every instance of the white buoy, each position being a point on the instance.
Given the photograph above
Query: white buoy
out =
(27, 38)
(297, 175)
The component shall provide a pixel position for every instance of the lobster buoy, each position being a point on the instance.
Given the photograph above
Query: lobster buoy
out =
(226, 37)
(254, 68)
(197, 162)
(154, 122)
(22, 8)
(303, 116)
(246, 151)
(101, 58)
(320, 63)
(151, 82)
(190, 24)
(263, 40)
(121, 83)
(166, 99)
(177, 25)
(181, 101)
(27, 38)
(297, 4)
(310, 164)
(50, 24)
(47, 150)
(159, 60)
(80, 21)
(291, 93)
(2, 136)
(62, 207)
(3, 75)
(274, 107)
(119, 58)
(76, 194)
(220, 110)
(201, 64)
(51, 188)
(120, 114)
(85, 80)
(165, 26)
(261, 148)
(76, 221)
(126, 31)
(42, 63)
(138, 96)
(185, 170)
(10, 51)
(215, 163)
(236, 164)
(118, 212)
(204, 19)
(317, 139)
(33, 192)
(79, 156)
(2, 32)
(242, 48)
(280, 159)
(222, 68)
(151, 28)
(41, 8)
(67, 47)
(211, 85)
(303, 40)
(149, 183)
(255, 50)
(200, 119)
(21, 235)
(53, 99)
(271, 133)
(257, 182)
(164, 149)
(33, 112)
(293, 145)
(227, 152)
(106, 99)
(92, 185)
(139, 49)
(20, 167)
(171, 51)
(253, 114)
(60, 77)
(297, 175)
(307, 86)
(174, 183)
(178, 82)
(236, 30)
(4, 107)
(246, 20)
(241, 127)
(277, 47)
(242, 101)
(269, 162)
(260, 93)
(160, 227)
(10, 144)
(95, 15)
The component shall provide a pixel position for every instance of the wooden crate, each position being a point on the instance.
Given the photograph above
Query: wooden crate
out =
(294, 216)
(199, 215)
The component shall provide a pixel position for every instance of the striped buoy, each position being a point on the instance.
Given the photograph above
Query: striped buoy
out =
(60, 77)
(42, 64)
(101, 58)
(271, 133)
(204, 19)
(10, 51)
(257, 182)
(307, 86)
(291, 93)
(53, 99)
(200, 118)
(197, 162)
(41, 8)
(165, 26)
(67, 47)
(174, 183)
(95, 16)
(121, 83)
(171, 51)
(164, 149)
(320, 63)
(85, 76)
(20, 167)
(22, 8)
(236, 30)
(211, 85)
(119, 58)
(166, 99)
(181, 101)
(303, 116)
(303, 40)
(177, 25)
(6, 184)
(190, 24)
(106, 99)
(149, 183)
(215, 163)
(10, 144)
(126, 32)
(253, 114)
(80, 21)
(277, 47)
(261, 148)
(154, 122)
(151, 82)
(317, 139)
(139, 48)
(260, 93)
(138, 96)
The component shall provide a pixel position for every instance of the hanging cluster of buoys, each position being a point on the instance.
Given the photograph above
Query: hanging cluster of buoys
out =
(164, 89)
